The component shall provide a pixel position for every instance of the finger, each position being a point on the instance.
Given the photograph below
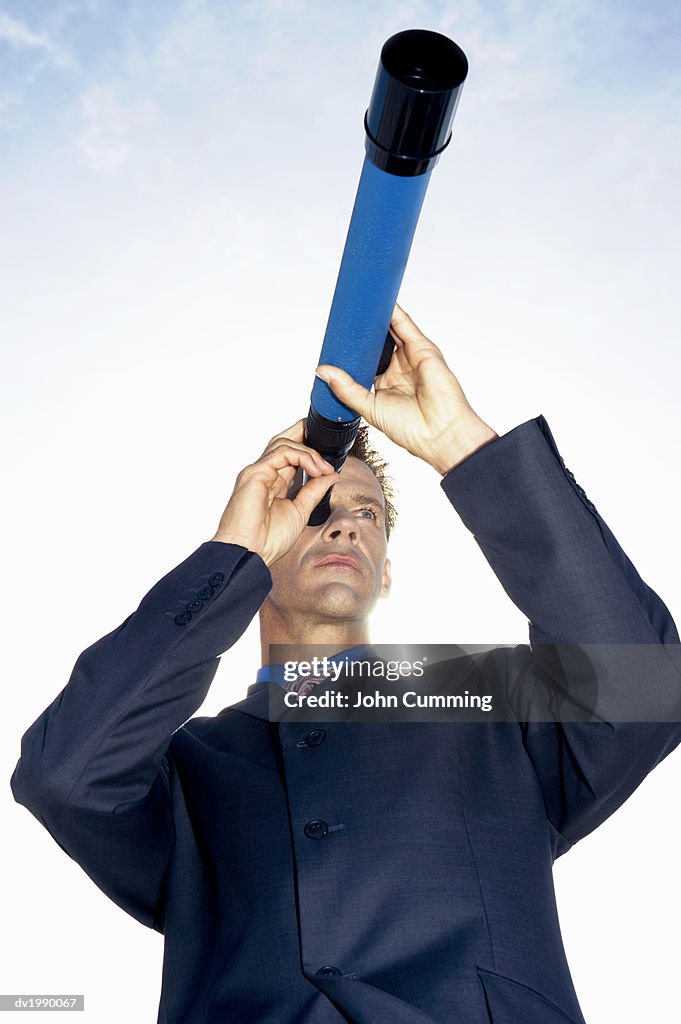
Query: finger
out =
(295, 432)
(405, 331)
(290, 456)
(311, 493)
(404, 326)
(348, 391)
(286, 477)
(282, 442)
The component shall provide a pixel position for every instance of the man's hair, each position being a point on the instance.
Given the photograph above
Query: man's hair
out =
(363, 450)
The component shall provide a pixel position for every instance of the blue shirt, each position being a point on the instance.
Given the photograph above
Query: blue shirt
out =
(275, 673)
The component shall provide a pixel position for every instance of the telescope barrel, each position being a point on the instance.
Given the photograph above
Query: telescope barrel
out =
(407, 126)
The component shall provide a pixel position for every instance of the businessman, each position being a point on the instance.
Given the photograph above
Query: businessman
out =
(393, 872)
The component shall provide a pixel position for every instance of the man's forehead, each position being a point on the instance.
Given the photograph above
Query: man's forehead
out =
(356, 478)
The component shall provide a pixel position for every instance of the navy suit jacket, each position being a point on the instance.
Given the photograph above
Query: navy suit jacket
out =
(430, 899)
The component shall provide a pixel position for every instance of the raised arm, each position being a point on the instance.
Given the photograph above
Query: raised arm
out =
(561, 565)
(596, 629)
(95, 767)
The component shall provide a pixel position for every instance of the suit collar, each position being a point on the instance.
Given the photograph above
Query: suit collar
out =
(256, 702)
(259, 694)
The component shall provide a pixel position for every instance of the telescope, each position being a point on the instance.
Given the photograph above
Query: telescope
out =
(407, 126)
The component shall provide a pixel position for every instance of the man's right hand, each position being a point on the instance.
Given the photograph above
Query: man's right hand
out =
(258, 515)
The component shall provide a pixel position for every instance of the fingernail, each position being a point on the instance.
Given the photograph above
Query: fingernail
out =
(322, 374)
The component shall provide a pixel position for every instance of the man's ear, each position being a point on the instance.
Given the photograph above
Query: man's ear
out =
(386, 582)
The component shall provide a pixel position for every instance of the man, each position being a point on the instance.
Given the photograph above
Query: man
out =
(367, 872)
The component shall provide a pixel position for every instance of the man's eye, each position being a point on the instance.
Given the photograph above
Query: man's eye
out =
(368, 510)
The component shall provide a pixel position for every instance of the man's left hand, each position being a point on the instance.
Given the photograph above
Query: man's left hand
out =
(418, 403)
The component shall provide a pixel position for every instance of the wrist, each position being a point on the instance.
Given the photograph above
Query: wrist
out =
(229, 537)
(459, 445)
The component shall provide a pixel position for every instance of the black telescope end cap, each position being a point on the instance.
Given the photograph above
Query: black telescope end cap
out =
(414, 99)
(425, 60)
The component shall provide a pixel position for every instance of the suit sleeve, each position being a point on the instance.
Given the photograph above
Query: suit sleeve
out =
(600, 638)
(94, 767)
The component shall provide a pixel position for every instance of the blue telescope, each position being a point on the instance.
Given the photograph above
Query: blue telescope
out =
(408, 125)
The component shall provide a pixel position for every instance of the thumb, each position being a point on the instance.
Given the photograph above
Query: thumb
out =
(312, 492)
(348, 390)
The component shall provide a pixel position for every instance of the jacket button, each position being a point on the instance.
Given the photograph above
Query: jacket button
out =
(328, 969)
(194, 605)
(216, 579)
(314, 738)
(316, 829)
(182, 618)
(205, 592)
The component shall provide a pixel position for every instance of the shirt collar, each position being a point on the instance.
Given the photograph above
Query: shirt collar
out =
(275, 673)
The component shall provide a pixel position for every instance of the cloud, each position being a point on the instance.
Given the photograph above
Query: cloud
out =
(110, 127)
(20, 37)
(9, 101)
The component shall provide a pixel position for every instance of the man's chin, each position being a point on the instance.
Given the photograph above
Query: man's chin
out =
(339, 599)
(333, 599)
(339, 606)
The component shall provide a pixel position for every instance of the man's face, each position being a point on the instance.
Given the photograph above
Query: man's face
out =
(307, 579)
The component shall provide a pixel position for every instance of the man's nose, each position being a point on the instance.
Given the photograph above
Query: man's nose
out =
(340, 524)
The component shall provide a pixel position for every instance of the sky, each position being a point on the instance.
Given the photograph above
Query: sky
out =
(176, 184)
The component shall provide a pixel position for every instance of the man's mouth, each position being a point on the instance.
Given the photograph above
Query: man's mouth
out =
(340, 560)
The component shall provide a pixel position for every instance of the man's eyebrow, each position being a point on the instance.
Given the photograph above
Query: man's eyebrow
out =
(365, 499)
